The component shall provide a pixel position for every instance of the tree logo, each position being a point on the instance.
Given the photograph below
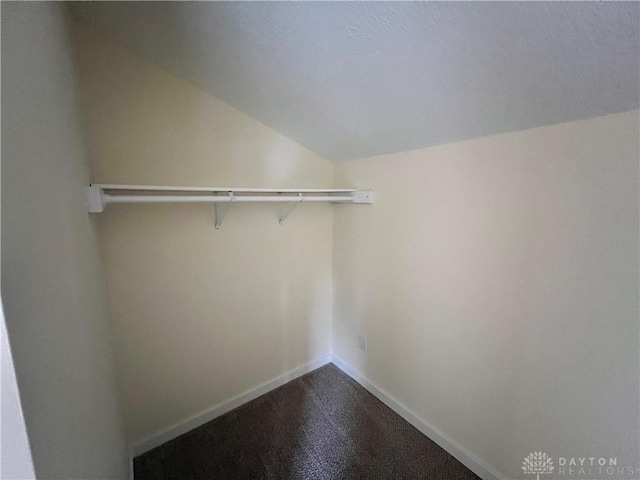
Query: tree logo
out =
(537, 463)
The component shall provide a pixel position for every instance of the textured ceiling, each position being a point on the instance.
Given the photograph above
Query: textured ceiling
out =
(351, 80)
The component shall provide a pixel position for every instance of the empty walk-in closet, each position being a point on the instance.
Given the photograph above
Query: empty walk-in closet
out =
(320, 240)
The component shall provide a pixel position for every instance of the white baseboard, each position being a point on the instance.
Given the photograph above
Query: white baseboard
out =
(209, 414)
(463, 456)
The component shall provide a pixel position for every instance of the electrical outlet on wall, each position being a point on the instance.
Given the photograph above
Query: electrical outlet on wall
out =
(362, 342)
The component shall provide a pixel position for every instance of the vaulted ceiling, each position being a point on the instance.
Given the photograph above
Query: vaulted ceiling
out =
(356, 79)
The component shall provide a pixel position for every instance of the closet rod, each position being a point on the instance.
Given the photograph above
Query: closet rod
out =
(168, 188)
(221, 199)
(101, 195)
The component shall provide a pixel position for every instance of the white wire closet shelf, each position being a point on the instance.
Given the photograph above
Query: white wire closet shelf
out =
(101, 195)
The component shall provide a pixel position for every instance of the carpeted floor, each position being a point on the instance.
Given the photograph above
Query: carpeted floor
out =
(320, 426)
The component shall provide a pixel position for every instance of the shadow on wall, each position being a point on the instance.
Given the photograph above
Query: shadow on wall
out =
(200, 315)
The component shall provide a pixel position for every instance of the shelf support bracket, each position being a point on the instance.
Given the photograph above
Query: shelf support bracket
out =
(221, 209)
(290, 208)
(95, 199)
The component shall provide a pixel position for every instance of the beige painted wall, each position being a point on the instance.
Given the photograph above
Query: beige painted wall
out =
(52, 283)
(497, 282)
(201, 315)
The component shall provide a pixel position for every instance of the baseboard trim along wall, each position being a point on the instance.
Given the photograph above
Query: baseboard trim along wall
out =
(209, 414)
(463, 456)
(451, 447)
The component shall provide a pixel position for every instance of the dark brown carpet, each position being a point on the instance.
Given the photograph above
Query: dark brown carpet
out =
(323, 425)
